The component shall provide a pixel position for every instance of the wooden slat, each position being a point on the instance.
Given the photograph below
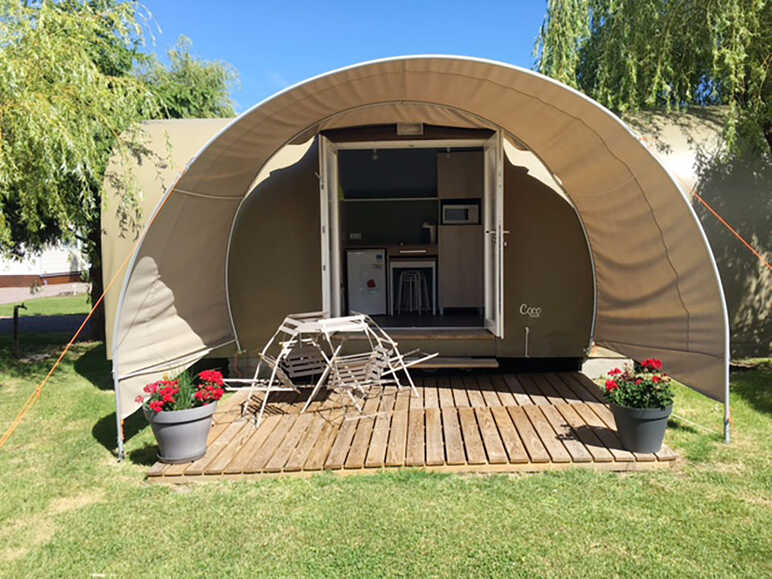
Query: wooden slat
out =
(395, 451)
(157, 469)
(566, 435)
(415, 438)
(318, 409)
(258, 438)
(529, 436)
(665, 454)
(475, 453)
(494, 448)
(585, 434)
(518, 391)
(231, 450)
(342, 444)
(488, 391)
(359, 446)
(460, 398)
(287, 446)
(445, 393)
(533, 391)
(552, 395)
(435, 454)
(502, 389)
(298, 458)
(324, 442)
(555, 448)
(214, 432)
(231, 405)
(220, 445)
(570, 396)
(402, 401)
(376, 454)
(607, 436)
(454, 443)
(512, 443)
(417, 400)
(582, 385)
(431, 398)
(258, 460)
(476, 399)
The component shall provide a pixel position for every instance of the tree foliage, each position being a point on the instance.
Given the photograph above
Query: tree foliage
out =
(667, 54)
(190, 87)
(74, 85)
(65, 101)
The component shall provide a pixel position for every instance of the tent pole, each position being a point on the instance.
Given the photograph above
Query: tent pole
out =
(118, 420)
(727, 413)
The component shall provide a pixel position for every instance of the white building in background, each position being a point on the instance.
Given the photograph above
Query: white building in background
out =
(60, 263)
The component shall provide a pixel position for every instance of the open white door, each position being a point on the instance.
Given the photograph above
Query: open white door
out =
(330, 230)
(493, 222)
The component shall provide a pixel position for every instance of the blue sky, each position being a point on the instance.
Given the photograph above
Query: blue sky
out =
(274, 44)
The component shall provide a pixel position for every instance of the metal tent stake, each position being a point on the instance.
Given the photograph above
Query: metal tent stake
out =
(16, 349)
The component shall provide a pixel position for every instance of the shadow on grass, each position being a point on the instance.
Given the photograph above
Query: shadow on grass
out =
(755, 387)
(105, 433)
(95, 367)
(145, 456)
(676, 424)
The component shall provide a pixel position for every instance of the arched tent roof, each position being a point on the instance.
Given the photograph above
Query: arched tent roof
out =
(658, 288)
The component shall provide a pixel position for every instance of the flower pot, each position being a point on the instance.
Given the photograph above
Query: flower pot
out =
(181, 434)
(641, 429)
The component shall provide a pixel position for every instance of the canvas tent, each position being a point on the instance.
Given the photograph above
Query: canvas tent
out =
(657, 291)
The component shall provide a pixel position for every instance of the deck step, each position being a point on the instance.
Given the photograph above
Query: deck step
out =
(412, 334)
(457, 362)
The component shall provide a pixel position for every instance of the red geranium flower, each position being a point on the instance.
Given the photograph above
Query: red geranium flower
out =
(611, 385)
(656, 379)
(615, 372)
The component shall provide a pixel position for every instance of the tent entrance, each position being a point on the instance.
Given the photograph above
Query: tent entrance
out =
(411, 231)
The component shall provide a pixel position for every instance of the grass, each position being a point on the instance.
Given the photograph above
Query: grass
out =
(52, 306)
(69, 509)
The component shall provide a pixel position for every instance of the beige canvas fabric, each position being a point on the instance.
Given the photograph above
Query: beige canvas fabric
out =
(658, 291)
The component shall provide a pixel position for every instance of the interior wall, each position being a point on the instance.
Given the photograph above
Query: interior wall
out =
(275, 257)
(548, 284)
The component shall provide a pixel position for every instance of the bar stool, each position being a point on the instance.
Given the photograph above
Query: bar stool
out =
(413, 291)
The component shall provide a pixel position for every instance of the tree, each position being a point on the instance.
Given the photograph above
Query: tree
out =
(189, 87)
(71, 95)
(667, 54)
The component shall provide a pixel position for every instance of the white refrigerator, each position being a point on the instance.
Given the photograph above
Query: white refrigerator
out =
(366, 281)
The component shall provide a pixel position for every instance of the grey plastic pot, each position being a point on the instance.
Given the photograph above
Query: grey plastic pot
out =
(641, 429)
(181, 434)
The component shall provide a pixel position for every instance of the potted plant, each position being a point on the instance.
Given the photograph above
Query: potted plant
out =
(180, 413)
(641, 399)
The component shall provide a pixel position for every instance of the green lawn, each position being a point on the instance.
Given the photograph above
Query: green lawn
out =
(53, 306)
(69, 509)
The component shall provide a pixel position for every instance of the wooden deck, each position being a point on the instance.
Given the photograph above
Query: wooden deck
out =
(481, 422)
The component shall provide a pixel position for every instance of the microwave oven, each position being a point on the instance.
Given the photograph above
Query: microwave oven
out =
(460, 213)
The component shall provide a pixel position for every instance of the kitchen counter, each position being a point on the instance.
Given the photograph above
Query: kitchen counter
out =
(417, 250)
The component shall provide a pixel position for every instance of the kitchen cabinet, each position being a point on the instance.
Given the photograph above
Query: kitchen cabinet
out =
(460, 175)
(460, 266)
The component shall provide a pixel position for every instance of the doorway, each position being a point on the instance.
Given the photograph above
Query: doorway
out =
(412, 233)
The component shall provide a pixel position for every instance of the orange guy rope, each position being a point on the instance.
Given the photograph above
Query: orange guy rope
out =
(37, 392)
(731, 229)
(35, 396)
